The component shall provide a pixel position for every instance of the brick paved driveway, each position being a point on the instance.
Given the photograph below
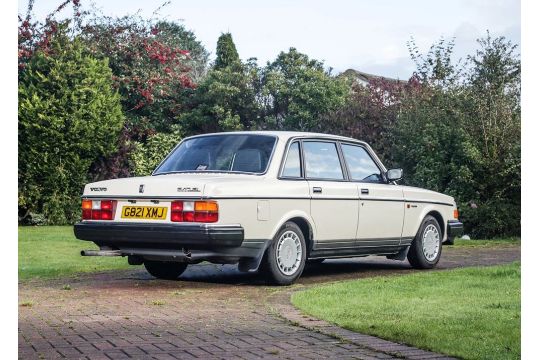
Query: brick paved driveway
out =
(212, 312)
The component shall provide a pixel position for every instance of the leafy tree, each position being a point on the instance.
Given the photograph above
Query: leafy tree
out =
(432, 146)
(151, 67)
(176, 35)
(226, 54)
(155, 65)
(494, 96)
(34, 35)
(436, 66)
(495, 91)
(370, 114)
(296, 91)
(226, 99)
(69, 115)
(460, 134)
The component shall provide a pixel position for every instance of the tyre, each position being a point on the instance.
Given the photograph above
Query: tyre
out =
(285, 258)
(425, 250)
(166, 270)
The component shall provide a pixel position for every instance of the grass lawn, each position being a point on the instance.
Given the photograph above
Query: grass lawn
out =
(53, 251)
(472, 313)
(487, 243)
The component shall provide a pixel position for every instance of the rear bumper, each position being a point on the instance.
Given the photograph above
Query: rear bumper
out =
(455, 228)
(160, 236)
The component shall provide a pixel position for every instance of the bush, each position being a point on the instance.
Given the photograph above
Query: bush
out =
(152, 68)
(225, 100)
(493, 218)
(461, 134)
(147, 156)
(370, 114)
(296, 91)
(69, 116)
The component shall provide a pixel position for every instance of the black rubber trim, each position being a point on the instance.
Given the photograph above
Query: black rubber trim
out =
(428, 202)
(359, 245)
(455, 228)
(163, 236)
(356, 251)
(406, 241)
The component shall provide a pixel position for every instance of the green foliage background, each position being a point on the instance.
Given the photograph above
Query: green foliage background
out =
(69, 115)
(459, 133)
(297, 91)
(147, 156)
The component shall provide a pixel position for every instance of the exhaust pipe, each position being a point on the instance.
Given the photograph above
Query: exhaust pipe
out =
(101, 253)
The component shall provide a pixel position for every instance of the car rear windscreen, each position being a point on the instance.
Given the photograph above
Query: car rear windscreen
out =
(221, 153)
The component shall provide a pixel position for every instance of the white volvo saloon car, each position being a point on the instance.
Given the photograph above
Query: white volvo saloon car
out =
(268, 201)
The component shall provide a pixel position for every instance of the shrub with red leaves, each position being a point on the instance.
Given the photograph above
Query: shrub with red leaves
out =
(34, 35)
(154, 71)
(155, 66)
(151, 71)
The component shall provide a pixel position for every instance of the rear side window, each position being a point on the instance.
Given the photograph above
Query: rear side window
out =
(361, 166)
(322, 160)
(292, 163)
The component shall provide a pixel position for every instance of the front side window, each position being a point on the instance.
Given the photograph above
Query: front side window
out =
(322, 160)
(361, 166)
(292, 163)
(222, 153)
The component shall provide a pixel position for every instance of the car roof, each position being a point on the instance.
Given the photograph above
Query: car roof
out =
(285, 135)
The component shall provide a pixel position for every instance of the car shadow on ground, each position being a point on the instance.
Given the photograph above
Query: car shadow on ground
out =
(207, 275)
(330, 270)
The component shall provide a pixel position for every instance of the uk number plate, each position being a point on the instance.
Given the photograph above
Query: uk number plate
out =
(144, 212)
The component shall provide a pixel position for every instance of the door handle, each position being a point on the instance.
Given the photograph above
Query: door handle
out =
(364, 191)
(317, 190)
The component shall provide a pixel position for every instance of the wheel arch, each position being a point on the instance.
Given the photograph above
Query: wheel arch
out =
(305, 225)
(440, 220)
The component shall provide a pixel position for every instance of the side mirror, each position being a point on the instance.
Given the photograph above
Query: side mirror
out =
(394, 174)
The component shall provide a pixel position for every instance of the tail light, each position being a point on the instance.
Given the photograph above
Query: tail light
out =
(98, 209)
(194, 211)
(456, 214)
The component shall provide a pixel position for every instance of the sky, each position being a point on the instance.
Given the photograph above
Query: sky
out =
(369, 36)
